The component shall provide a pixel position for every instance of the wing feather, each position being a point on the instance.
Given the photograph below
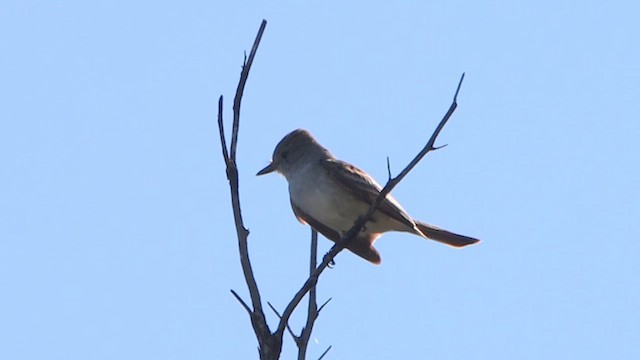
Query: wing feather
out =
(364, 188)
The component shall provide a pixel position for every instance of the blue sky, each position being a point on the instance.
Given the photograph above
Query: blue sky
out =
(116, 233)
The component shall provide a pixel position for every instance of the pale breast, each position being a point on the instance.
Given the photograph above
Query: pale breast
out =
(326, 202)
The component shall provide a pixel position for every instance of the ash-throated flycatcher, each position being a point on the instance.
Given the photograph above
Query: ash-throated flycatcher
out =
(330, 195)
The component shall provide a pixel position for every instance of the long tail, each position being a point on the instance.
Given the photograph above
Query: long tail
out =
(445, 236)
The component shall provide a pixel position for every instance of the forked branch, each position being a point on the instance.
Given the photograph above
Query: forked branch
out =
(269, 345)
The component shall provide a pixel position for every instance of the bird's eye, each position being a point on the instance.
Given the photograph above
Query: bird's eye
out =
(284, 154)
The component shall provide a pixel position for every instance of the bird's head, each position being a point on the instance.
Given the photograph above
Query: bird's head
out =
(294, 151)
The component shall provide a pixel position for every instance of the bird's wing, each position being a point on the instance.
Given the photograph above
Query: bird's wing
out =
(364, 188)
(360, 245)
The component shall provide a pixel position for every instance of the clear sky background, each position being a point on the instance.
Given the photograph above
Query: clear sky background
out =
(116, 233)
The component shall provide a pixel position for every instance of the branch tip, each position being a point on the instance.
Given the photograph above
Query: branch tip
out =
(323, 305)
(223, 141)
(455, 97)
(274, 309)
(389, 168)
(324, 353)
(244, 304)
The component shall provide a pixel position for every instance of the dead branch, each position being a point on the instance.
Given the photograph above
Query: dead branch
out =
(269, 346)
(312, 310)
(324, 353)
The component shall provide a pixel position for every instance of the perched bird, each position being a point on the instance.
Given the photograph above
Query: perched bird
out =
(329, 195)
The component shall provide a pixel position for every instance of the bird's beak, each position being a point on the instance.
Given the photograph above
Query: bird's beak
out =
(270, 168)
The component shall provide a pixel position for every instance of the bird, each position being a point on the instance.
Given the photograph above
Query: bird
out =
(330, 195)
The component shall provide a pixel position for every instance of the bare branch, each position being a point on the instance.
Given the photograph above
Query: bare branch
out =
(244, 304)
(269, 346)
(455, 96)
(389, 169)
(223, 141)
(312, 309)
(391, 184)
(355, 229)
(240, 90)
(295, 338)
(323, 305)
(274, 309)
(324, 353)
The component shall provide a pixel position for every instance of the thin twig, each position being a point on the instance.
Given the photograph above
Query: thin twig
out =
(223, 140)
(295, 338)
(240, 90)
(359, 223)
(389, 169)
(244, 304)
(312, 309)
(429, 145)
(324, 353)
(323, 305)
